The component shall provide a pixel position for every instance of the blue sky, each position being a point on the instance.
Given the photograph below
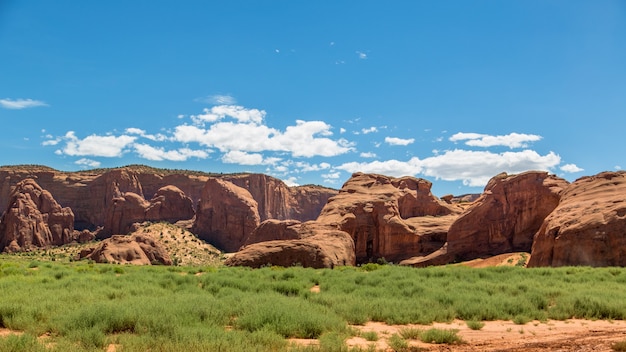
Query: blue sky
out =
(311, 91)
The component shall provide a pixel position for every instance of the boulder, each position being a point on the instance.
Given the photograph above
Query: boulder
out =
(588, 227)
(318, 246)
(270, 230)
(226, 215)
(170, 204)
(134, 249)
(506, 216)
(34, 219)
(387, 217)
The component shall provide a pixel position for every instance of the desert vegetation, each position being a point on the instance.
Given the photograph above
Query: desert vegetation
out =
(82, 306)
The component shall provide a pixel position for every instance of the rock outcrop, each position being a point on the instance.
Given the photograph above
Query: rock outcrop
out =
(90, 194)
(134, 249)
(271, 230)
(275, 200)
(227, 214)
(317, 246)
(168, 204)
(506, 216)
(34, 219)
(588, 227)
(391, 218)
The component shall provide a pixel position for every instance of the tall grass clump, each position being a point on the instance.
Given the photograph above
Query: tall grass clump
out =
(440, 336)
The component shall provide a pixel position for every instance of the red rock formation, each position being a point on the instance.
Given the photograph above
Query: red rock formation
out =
(134, 249)
(227, 214)
(506, 216)
(91, 193)
(168, 204)
(276, 200)
(270, 230)
(318, 246)
(34, 219)
(394, 218)
(588, 227)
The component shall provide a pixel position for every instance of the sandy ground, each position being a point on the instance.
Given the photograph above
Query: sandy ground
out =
(570, 335)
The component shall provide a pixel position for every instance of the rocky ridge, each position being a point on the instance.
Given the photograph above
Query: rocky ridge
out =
(372, 217)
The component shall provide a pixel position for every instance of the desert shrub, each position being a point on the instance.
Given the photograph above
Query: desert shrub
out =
(475, 325)
(440, 336)
(397, 343)
(370, 335)
(619, 346)
(21, 343)
(410, 333)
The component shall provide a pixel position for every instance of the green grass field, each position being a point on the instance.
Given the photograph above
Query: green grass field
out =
(83, 306)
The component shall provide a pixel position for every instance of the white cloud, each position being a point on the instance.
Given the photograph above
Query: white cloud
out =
(361, 55)
(399, 141)
(474, 168)
(305, 139)
(156, 153)
(54, 141)
(84, 162)
(571, 168)
(369, 130)
(239, 113)
(342, 130)
(153, 137)
(617, 167)
(242, 158)
(306, 167)
(218, 99)
(106, 146)
(512, 140)
(17, 104)
(291, 181)
(332, 175)
(368, 155)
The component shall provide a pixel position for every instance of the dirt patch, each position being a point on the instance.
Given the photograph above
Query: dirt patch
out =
(6, 332)
(570, 335)
(315, 289)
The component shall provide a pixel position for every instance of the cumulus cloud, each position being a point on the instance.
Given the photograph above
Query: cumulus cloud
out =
(84, 162)
(305, 139)
(571, 168)
(399, 141)
(362, 55)
(18, 104)
(157, 153)
(236, 112)
(473, 168)
(242, 158)
(512, 140)
(94, 145)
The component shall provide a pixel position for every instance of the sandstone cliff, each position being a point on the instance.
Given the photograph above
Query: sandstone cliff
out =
(227, 214)
(506, 216)
(91, 194)
(588, 227)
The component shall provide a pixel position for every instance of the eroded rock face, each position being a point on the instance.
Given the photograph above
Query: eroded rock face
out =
(168, 204)
(588, 227)
(275, 200)
(506, 216)
(34, 219)
(387, 217)
(317, 246)
(134, 249)
(227, 214)
(271, 230)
